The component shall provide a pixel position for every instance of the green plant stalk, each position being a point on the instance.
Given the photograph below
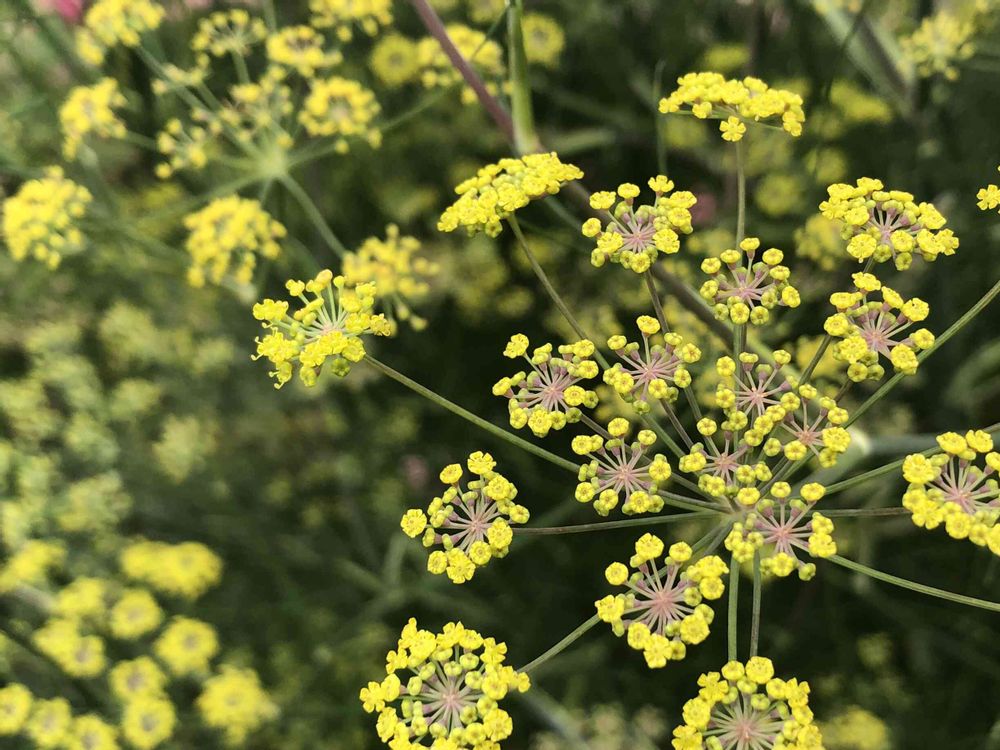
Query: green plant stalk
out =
(314, 215)
(741, 194)
(957, 326)
(755, 622)
(582, 528)
(565, 643)
(525, 138)
(734, 600)
(468, 415)
(913, 586)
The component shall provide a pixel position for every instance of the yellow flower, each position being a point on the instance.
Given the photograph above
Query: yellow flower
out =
(342, 109)
(989, 197)
(226, 237)
(84, 598)
(187, 569)
(887, 225)
(543, 39)
(90, 110)
(749, 99)
(230, 32)
(30, 564)
(302, 49)
(234, 702)
(498, 190)
(49, 724)
(744, 288)
(484, 54)
(344, 15)
(732, 129)
(91, 732)
(469, 663)
(39, 221)
(148, 722)
(136, 678)
(135, 614)
(327, 329)
(632, 235)
(940, 44)
(663, 610)
(472, 524)
(187, 646)
(109, 23)
(773, 713)
(15, 706)
(394, 60)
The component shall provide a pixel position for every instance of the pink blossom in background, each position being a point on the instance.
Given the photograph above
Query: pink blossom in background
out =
(71, 11)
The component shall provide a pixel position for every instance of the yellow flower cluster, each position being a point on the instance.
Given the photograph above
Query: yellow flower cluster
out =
(109, 23)
(148, 721)
(399, 274)
(394, 60)
(989, 197)
(869, 329)
(458, 663)
(941, 43)
(344, 15)
(471, 524)
(751, 289)
(884, 224)
(230, 32)
(343, 109)
(187, 646)
(738, 101)
(77, 654)
(225, 238)
(302, 49)
(327, 328)
(544, 39)
(90, 110)
(550, 396)
(819, 240)
(437, 71)
(649, 373)
(498, 190)
(618, 468)
(747, 706)
(30, 564)
(949, 488)
(778, 525)
(855, 728)
(183, 147)
(234, 702)
(186, 570)
(39, 221)
(633, 235)
(50, 723)
(663, 611)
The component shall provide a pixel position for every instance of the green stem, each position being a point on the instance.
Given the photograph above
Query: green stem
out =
(468, 415)
(525, 139)
(865, 512)
(582, 528)
(913, 586)
(807, 373)
(561, 646)
(741, 194)
(957, 326)
(755, 623)
(734, 592)
(314, 215)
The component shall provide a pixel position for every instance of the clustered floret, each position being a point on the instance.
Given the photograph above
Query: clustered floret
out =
(90, 110)
(550, 396)
(343, 109)
(870, 329)
(779, 524)
(884, 225)
(988, 197)
(225, 238)
(746, 706)
(663, 611)
(650, 373)
(39, 221)
(633, 235)
(344, 15)
(109, 23)
(752, 288)
(710, 95)
(326, 329)
(949, 488)
(618, 468)
(451, 699)
(498, 190)
(472, 525)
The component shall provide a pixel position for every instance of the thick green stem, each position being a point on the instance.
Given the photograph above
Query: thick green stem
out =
(314, 215)
(468, 415)
(582, 528)
(565, 643)
(741, 194)
(913, 586)
(755, 623)
(525, 139)
(957, 326)
(734, 599)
